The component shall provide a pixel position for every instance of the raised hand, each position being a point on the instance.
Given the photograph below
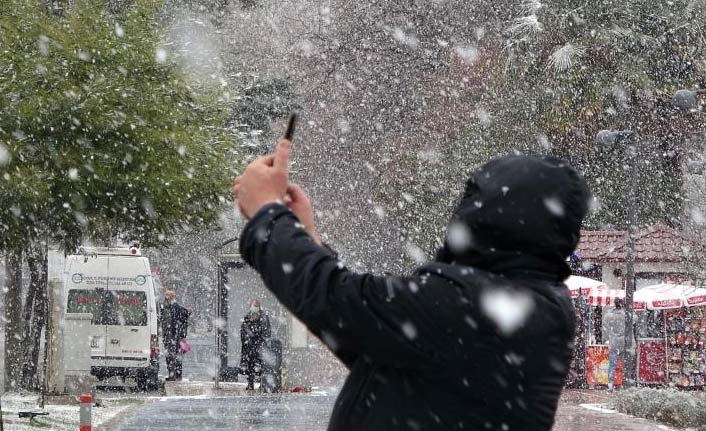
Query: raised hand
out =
(264, 181)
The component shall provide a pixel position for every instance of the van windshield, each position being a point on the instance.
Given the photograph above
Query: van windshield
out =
(110, 307)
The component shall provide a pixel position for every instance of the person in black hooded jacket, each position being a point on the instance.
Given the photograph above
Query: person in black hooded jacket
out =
(478, 339)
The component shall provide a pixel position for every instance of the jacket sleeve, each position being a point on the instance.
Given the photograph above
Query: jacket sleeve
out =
(163, 317)
(267, 327)
(244, 336)
(181, 321)
(384, 319)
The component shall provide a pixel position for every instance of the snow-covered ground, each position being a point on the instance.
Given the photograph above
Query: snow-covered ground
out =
(61, 417)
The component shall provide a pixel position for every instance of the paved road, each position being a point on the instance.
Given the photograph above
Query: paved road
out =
(578, 411)
(252, 413)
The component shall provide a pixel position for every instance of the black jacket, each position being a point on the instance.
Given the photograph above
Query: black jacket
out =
(253, 333)
(175, 325)
(479, 339)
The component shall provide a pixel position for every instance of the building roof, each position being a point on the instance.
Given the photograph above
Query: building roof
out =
(658, 243)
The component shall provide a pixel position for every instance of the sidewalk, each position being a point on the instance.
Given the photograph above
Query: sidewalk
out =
(62, 416)
(588, 410)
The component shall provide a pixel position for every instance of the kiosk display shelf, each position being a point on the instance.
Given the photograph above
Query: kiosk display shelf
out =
(686, 346)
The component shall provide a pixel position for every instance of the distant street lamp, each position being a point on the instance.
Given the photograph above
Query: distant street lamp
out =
(696, 167)
(609, 138)
(687, 99)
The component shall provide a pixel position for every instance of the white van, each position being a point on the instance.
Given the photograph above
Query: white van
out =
(116, 286)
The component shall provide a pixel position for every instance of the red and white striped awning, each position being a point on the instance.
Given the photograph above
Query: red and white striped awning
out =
(696, 298)
(658, 297)
(605, 297)
(667, 296)
(582, 285)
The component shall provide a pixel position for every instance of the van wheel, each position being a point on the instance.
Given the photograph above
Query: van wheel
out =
(148, 381)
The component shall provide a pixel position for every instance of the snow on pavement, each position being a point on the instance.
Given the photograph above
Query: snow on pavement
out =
(61, 417)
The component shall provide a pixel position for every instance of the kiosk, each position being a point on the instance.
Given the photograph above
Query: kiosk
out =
(670, 334)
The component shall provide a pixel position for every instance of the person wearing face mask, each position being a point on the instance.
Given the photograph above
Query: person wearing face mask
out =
(253, 333)
(175, 324)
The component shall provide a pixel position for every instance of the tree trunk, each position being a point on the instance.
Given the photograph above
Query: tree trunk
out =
(13, 319)
(35, 316)
(40, 313)
(27, 319)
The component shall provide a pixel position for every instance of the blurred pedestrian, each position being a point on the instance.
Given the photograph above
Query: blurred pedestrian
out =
(253, 333)
(614, 332)
(175, 325)
(480, 338)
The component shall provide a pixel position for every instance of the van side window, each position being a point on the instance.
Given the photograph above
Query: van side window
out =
(110, 307)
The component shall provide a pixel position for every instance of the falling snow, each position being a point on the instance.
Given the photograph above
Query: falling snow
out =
(409, 330)
(509, 309)
(5, 156)
(458, 237)
(555, 206)
(126, 126)
(160, 56)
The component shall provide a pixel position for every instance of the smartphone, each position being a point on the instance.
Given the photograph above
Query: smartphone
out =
(291, 125)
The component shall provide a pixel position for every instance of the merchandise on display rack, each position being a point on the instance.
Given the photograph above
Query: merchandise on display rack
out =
(686, 337)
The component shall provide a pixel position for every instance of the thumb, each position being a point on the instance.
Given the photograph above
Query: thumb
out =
(295, 192)
(282, 154)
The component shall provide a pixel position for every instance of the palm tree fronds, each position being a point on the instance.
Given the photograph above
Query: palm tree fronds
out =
(622, 32)
(526, 26)
(695, 5)
(563, 58)
(531, 7)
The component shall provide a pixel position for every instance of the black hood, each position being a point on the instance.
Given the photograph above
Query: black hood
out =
(519, 215)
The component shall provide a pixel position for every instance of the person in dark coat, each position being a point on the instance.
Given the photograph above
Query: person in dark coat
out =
(253, 333)
(175, 325)
(480, 338)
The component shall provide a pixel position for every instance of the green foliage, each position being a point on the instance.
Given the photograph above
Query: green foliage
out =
(102, 134)
(573, 68)
(570, 56)
(212, 6)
